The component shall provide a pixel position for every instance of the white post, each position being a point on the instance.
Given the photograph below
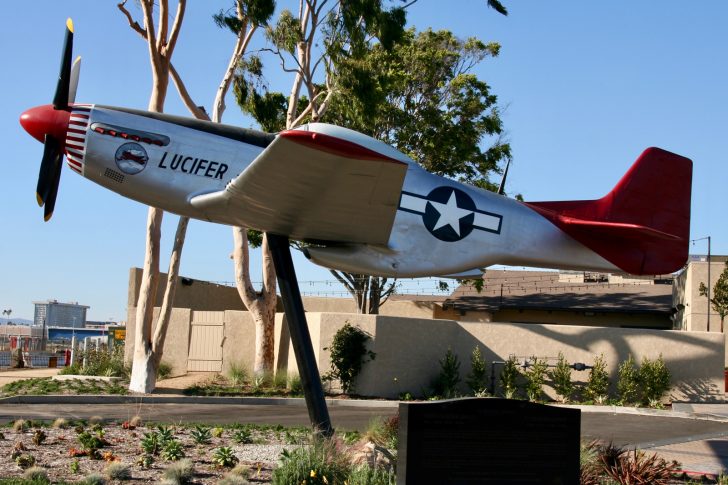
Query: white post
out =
(85, 351)
(73, 349)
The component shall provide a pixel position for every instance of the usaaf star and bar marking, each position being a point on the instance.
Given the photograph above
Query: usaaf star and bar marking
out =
(449, 214)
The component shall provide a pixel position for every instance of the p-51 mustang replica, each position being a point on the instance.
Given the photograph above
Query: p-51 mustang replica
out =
(369, 208)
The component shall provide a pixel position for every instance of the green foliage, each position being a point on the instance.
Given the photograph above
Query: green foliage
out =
(384, 432)
(25, 460)
(597, 385)
(100, 363)
(535, 378)
(224, 457)
(39, 437)
(91, 442)
(477, 379)
(94, 479)
(423, 90)
(719, 295)
(636, 466)
(320, 463)
(628, 383)
(36, 474)
(150, 443)
(348, 354)
(74, 466)
(218, 431)
(509, 377)
(446, 382)
(366, 475)
(561, 377)
(166, 433)
(180, 472)
(242, 436)
(40, 386)
(201, 435)
(655, 379)
(164, 370)
(173, 450)
(256, 12)
(237, 373)
(118, 471)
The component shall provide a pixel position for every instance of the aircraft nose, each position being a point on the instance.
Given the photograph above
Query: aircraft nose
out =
(46, 120)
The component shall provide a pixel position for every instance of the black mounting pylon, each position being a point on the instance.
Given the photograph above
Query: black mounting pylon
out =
(313, 391)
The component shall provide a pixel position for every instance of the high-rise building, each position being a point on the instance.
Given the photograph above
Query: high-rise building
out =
(57, 314)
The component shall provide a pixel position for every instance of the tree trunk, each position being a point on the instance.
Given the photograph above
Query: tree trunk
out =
(261, 305)
(143, 371)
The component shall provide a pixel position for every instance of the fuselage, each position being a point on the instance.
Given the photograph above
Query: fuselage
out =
(441, 226)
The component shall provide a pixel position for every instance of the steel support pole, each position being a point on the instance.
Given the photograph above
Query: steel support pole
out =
(313, 391)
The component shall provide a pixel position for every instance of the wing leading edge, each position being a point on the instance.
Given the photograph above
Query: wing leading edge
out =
(313, 186)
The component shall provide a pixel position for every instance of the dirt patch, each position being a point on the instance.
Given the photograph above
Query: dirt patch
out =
(124, 445)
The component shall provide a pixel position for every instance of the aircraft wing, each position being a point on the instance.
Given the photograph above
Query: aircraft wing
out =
(313, 186)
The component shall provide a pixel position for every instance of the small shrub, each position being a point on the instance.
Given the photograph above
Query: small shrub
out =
(20, 425)
(240, 471)
(535, 379)
(383, 432)
(294, 384)
(655, 379)
(561, 378)
(242, 436)
(446, 383)
(164, 370)
(635, 466)
(135, 421)
(60, 423)
(628, 383)
(477, 379)
(74, 466)
(320, 463)
(150, 443)
(348, 354)
(509, 377)
(230, 479)
(366, 475)
(90, 442)
(25, 460)
(145, 461)
(36, 474)
(597, 385)
(224, 457)
(201, 435)
(180, 472)
(39, 437)
(165, 433)
(118, 471)
(173, 450)
(237, 374)
(94, 479)
(96, 420)
(217, 432)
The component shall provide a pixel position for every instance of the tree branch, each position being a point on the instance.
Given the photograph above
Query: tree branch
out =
(162, 31)
(132, 23)
(185, 95)
(176, 27)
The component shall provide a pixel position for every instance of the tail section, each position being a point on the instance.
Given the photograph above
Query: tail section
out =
(643, 225)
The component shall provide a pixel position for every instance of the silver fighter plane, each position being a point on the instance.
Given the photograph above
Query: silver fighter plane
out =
(366, 207)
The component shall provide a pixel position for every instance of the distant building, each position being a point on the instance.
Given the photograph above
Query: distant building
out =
(57, 314)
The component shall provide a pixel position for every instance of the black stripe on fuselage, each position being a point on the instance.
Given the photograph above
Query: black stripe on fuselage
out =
(251, 137)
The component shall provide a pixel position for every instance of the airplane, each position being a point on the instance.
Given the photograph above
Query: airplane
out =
(364, 206)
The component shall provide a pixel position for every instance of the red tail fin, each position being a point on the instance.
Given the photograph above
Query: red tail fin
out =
(643, 225)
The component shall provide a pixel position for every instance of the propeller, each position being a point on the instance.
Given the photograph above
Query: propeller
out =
(49, 125)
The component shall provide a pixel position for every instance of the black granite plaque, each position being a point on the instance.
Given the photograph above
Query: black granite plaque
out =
(487, 441)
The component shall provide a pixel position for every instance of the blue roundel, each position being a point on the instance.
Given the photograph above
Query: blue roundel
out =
(449, 214)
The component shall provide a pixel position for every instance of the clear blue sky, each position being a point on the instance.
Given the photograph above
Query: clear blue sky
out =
(585, 86)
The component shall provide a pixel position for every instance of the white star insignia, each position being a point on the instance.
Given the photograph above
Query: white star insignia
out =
(450, 214)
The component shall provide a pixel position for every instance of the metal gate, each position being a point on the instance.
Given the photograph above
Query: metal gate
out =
(206, 339)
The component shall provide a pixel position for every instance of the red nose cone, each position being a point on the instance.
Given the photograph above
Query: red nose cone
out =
(46, 120)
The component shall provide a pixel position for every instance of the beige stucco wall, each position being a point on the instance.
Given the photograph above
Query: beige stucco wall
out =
(177, 341)
(408, 350)
(693, 316)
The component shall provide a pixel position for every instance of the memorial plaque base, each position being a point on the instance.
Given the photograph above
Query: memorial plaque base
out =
(487, 441)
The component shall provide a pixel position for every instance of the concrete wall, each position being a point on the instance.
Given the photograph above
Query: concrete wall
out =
(692, 307)
(176, 345)
(597, 319)
(409, 349)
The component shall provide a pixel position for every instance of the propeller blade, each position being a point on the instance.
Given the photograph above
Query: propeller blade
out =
(502, 188)
(60, 100)
(75, 73)
(50, 203)
(51, 151)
